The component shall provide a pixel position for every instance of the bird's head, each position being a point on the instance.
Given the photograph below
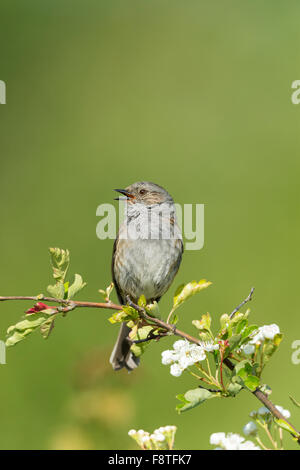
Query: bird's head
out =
(144, 192)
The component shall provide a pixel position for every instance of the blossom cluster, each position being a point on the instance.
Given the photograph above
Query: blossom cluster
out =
(264, 413)
(185, 354)
(259, 336)
(265, 332)
(231, 441)
(161, 438)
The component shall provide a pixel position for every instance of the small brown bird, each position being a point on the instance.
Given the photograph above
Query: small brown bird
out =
(146, 256)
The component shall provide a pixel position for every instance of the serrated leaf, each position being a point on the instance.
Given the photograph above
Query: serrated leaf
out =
(252, 382)
(76, 287)
(46, 328)
(18, 332)
(244, 371)
(204, 323)
(57, 291)
(193, 398)
(184, 292)
(60, 260)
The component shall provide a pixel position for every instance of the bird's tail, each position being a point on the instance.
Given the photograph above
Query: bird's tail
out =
(121, 355)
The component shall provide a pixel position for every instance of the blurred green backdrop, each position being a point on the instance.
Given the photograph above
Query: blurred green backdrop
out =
(195, 96)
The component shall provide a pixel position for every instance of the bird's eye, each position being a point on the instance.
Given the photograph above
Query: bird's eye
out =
(142, 192)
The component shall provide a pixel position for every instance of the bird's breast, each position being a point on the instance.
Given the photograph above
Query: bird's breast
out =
(146, 266)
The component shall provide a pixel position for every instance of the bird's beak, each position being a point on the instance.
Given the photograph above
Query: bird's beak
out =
(127, 195)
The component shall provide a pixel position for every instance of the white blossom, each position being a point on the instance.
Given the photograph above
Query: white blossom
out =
(158, 436)
(265, 332)
(250, 429)
(217, 438)
(176, 370)
(249, 445)
(248, 349)
(184, 355)
(161, 438)
(231, 441)
(178, 345)
(262, 411)
(209, 346)
(284, 412)
(168, 357)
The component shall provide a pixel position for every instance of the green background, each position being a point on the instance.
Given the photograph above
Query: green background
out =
(195, 96)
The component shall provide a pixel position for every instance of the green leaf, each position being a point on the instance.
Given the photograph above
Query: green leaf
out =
(248, 330)
(245, 370)
(18, 332)
(270, 347)
(142, 301)
(174, 319)
(234, 342)
(193, 398)
(204, 323)
(60, 260)
(237, 318)
(224, 321)
(46, 328)
(252, 382)
(205, 336)
(184, 292)
(286, 426)
(234, 388)
(241, 325)
(142, 333)
(66, 289)
(153, 309)
(296, 403)
(106, 293)
(76, 287)
(239, 366)
(125, 315)
(57, 291)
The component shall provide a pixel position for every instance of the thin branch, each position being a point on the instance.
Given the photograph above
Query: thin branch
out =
(171, 329)
(243, 303)
(108, 305)
(151, 335)
(265, 400)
